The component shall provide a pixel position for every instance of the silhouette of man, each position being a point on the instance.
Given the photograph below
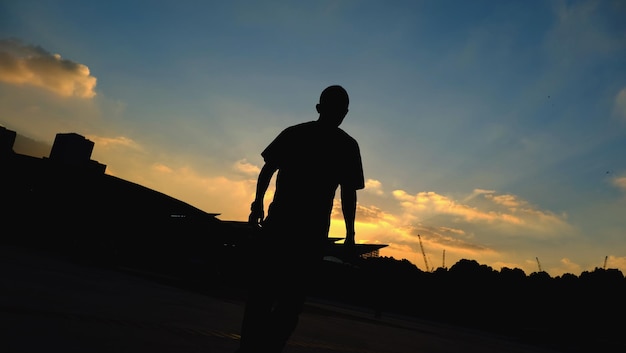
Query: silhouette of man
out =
(313, 159)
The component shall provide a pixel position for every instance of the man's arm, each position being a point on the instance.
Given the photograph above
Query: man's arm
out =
(257, 213)
(348, 207)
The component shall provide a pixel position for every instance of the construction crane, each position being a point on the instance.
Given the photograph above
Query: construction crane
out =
(605, 259)
(539, 264)
(443, 262)
(423, 253)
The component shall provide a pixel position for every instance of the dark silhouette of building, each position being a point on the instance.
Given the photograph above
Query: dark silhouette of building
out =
(74, 150)
(7, 140)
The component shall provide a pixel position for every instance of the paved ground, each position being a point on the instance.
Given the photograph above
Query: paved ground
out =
(50, 304)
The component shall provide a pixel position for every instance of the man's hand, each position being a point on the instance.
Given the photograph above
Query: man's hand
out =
(257, 214)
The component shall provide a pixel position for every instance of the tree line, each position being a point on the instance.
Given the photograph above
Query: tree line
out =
(576, 313)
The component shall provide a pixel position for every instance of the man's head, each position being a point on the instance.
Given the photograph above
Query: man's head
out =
(333, 105)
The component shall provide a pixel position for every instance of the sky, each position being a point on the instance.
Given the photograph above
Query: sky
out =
(494, 130)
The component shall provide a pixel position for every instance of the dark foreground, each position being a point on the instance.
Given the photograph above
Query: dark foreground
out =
(49, 303)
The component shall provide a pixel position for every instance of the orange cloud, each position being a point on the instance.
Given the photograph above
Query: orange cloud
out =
(428, 203)
(107, 142)
(620, 182)
(509, 201)
(215, 194)
(247, 168)
(374, 186)
(32, 65)
(516, 214)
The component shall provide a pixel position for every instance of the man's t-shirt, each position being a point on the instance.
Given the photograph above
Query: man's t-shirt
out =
(312, 160)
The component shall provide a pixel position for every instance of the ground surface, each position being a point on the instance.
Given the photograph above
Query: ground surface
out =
(51, 304)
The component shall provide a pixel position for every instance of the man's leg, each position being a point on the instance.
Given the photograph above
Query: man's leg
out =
(293, 285)
(254, 326)
(285, 316)
(259, 305)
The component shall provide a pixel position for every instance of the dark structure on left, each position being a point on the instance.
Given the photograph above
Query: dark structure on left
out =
(72, 149)
(67, 202)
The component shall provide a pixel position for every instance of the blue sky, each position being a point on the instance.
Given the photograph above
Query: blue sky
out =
(494, 129)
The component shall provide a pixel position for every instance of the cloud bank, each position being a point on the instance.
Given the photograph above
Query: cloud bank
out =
(483, 224)
(22, 64)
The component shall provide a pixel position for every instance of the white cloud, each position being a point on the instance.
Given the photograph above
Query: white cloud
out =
(619, 107)
(22, 64)
(578, 35)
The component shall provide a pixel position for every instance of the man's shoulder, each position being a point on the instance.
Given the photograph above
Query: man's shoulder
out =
(347, 136)
(313, 128)
(304, 125)
(296, 128)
